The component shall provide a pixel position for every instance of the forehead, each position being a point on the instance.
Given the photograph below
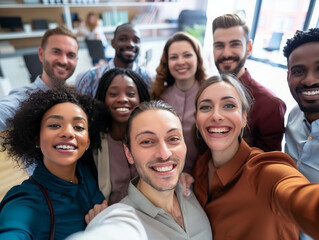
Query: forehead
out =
(218, 91)
(65, 109)
(180, 46)
(229, 34)
(128, 31)
(305, 54)
(156, 121)
(62, 42)
(122, 80)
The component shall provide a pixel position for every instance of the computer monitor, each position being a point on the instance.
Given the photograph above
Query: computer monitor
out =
(11, 23)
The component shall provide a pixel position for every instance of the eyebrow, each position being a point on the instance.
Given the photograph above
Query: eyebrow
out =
(152, 133)
(223, 98)
(61, 118)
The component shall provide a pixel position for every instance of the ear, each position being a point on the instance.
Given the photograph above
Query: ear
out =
(244, 123)
(40, 54)
(128, 154)
(112, 43)
(288, 76)
(88, 144)
(249, 48)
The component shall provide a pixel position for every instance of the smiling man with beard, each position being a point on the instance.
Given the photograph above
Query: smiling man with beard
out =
(232, 46)
(126, 43)
(302, 129)
(59, 55)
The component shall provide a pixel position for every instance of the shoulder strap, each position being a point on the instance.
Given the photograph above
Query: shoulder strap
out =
(47, 197)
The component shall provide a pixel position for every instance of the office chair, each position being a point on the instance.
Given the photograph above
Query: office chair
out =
(96, 50)
(274, 43)
(33, 65)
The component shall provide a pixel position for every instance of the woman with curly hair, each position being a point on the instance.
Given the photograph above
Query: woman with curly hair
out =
(178, 78)
(54, 131)
(121, 90)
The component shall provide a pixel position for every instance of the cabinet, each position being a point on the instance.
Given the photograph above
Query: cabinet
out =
(161, 25)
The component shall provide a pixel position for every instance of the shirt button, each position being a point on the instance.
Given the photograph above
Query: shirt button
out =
(310, 138)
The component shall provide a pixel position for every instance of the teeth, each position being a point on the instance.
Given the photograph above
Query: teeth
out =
(122, 109)
(218, 130)
(65, 147)
(164, 169)
(310, 93)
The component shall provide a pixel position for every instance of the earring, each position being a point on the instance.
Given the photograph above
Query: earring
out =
(86, 148)
(37, 146)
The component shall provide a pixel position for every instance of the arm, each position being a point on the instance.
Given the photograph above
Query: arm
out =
(117, 222)
(288, 193)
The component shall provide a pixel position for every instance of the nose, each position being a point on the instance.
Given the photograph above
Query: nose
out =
(122, 98)
(226, 51)
(310, 79)
(163, 152)
(63, 59)
(216, 115)
(67, 131)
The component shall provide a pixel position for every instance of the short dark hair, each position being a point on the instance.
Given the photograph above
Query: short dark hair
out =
(21, 139)
(131, 25)
(107, 79)
(300, 38)
(231, 20)
(61, 30)
(143, 107)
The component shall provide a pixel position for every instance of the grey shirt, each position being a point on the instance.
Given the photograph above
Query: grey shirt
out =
(10, 103)
(161, 225)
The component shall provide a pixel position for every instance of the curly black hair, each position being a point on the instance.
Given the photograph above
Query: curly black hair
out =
(21, 139)
(300, 38)
(107, 79)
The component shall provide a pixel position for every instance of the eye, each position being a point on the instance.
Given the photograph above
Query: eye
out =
(172, 57)
(235, 44)
(174, 139)
(72, 56)
(131, 94)
(188, 55)
(297, 71)
(205, 108)
(79, 128)
(54, 125)
(112, 94)
(146, 142)
(229, 106)
(218, 46)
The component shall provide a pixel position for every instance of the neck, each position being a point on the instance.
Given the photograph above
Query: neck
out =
(241, 72)
(118, 131)
(312, 117)
(221, 157)
(66, 173)
(119, 63)
(185, 85)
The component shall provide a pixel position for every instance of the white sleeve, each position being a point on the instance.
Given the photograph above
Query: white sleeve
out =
(117, 222)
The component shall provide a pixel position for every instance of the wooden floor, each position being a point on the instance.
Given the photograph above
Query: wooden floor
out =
(10, 174)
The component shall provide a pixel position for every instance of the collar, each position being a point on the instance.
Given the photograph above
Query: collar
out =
(40, 84)
(228, 171)
(112, 65)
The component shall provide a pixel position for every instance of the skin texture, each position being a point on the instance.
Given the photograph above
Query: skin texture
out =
(231, 50)
(63, 139)
(220, 120)
(157, 149)
(182, 64)
(303, 78)
(126, 44)
(59, 59)
(121, 98)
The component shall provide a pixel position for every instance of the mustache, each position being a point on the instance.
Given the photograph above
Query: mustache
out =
(220, 60)
(302, 88)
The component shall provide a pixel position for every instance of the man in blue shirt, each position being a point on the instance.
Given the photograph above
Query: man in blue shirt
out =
(59, 55)
(302, 130)
(126, 42)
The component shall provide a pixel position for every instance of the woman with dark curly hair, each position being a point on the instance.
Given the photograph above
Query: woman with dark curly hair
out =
(53, 130)
(177, 80)
(121, 90)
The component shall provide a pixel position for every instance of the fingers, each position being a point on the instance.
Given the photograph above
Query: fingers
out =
(186, 180)
(95, 211)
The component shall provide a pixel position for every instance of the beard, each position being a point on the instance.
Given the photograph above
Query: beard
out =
(125, 59)
(56, 81)
(235, 71)
(311, 107)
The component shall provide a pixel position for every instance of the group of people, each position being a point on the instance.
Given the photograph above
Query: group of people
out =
(179, 155)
